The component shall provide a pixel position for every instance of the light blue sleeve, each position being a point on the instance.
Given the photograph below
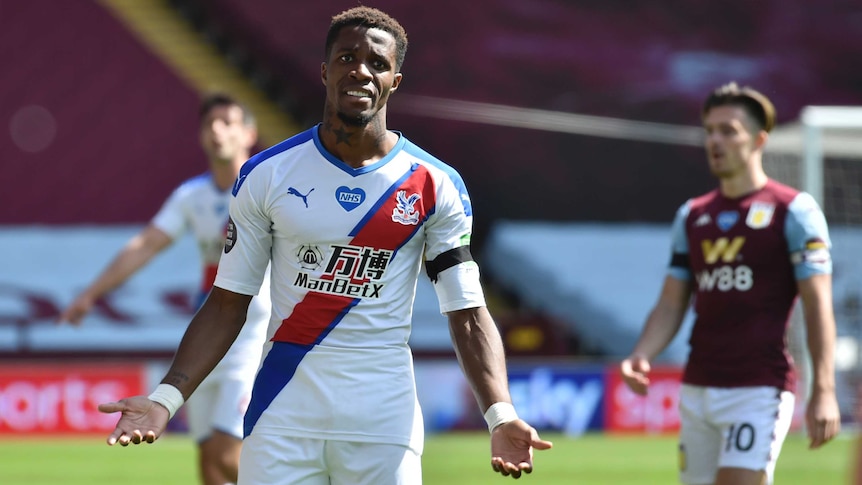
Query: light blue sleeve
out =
(679, 244)
(807, 237)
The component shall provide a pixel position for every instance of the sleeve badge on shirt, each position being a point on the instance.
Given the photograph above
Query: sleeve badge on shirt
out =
(759, 215)
(230, 236)
(815, 251)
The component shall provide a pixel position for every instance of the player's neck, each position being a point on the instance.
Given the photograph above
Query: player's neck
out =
(357, 146)
(225, 173)
(743, 183)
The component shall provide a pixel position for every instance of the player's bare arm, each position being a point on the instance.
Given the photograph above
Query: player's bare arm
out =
(480, 351)
(661, 326)
(822, 416)
(135, 254)
(207, 338)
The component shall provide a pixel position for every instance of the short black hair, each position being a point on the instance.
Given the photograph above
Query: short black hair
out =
(212, 100)
(758, 106)
(370, 18)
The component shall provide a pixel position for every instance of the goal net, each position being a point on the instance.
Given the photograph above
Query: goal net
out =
(822, 155)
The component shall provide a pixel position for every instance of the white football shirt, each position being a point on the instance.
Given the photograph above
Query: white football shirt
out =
(198, 207)
(346, 247)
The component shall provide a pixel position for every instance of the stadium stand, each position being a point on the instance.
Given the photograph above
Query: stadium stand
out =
(620, 59)
(628, 60)
(93, 118)
(101, 118)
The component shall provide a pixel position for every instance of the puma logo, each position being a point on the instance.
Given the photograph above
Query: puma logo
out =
(292, 191)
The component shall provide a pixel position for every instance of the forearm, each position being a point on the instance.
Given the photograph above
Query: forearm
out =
(664, 320)
(816, 294)
(206, 340)
(479, 349)
(134, 255)
(821, 347)
(120, 269)
(661, 326)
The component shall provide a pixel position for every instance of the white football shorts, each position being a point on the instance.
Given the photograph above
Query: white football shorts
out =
(742, 427)
(218, 404)
(269, 459)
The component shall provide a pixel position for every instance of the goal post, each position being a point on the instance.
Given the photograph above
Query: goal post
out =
(821, 154)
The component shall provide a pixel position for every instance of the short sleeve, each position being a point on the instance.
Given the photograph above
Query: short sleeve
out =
(447, 244)
(171, 218)
(807, 237)
(248, 242)
(679, 267)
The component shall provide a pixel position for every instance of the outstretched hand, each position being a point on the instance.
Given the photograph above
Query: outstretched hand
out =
(512, 448)
(635, 373)
(76, 311)
(141, 421)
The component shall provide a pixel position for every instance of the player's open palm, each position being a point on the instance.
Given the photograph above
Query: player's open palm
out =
(512, 448)
(635, 373)
(141, 421)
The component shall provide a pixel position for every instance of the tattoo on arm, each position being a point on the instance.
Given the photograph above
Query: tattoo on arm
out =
(176, 379)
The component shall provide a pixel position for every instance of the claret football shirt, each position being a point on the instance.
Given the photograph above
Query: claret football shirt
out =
(744, 257)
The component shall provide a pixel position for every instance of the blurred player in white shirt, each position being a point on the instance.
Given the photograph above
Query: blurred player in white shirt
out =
(345, 212)
(200, 206)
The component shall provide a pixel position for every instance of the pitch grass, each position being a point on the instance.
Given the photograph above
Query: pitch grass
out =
(450, 459)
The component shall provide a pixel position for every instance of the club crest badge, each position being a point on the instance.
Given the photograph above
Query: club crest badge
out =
(759, 215)
(404, 211)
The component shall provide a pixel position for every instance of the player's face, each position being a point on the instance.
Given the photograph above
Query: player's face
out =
(224, 136)
(730, 140)
(360, 74)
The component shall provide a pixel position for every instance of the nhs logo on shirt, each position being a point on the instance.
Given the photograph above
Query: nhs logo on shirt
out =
(348, 198)
(726, 220)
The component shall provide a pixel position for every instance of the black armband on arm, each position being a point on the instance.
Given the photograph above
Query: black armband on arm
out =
(680, 260)
(446, 260)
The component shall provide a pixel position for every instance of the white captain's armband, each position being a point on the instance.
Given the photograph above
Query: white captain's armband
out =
(459, 287)
(815, 251)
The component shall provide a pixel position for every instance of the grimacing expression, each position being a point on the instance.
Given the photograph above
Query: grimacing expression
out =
(224, 134)
(360, 74)
(731, 138)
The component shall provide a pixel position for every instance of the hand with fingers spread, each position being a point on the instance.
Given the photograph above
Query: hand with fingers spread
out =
(512, 446)
(142, 420)
(635, 373)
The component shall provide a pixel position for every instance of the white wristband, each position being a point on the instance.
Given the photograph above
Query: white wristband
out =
(499, 413)
(169, 397)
